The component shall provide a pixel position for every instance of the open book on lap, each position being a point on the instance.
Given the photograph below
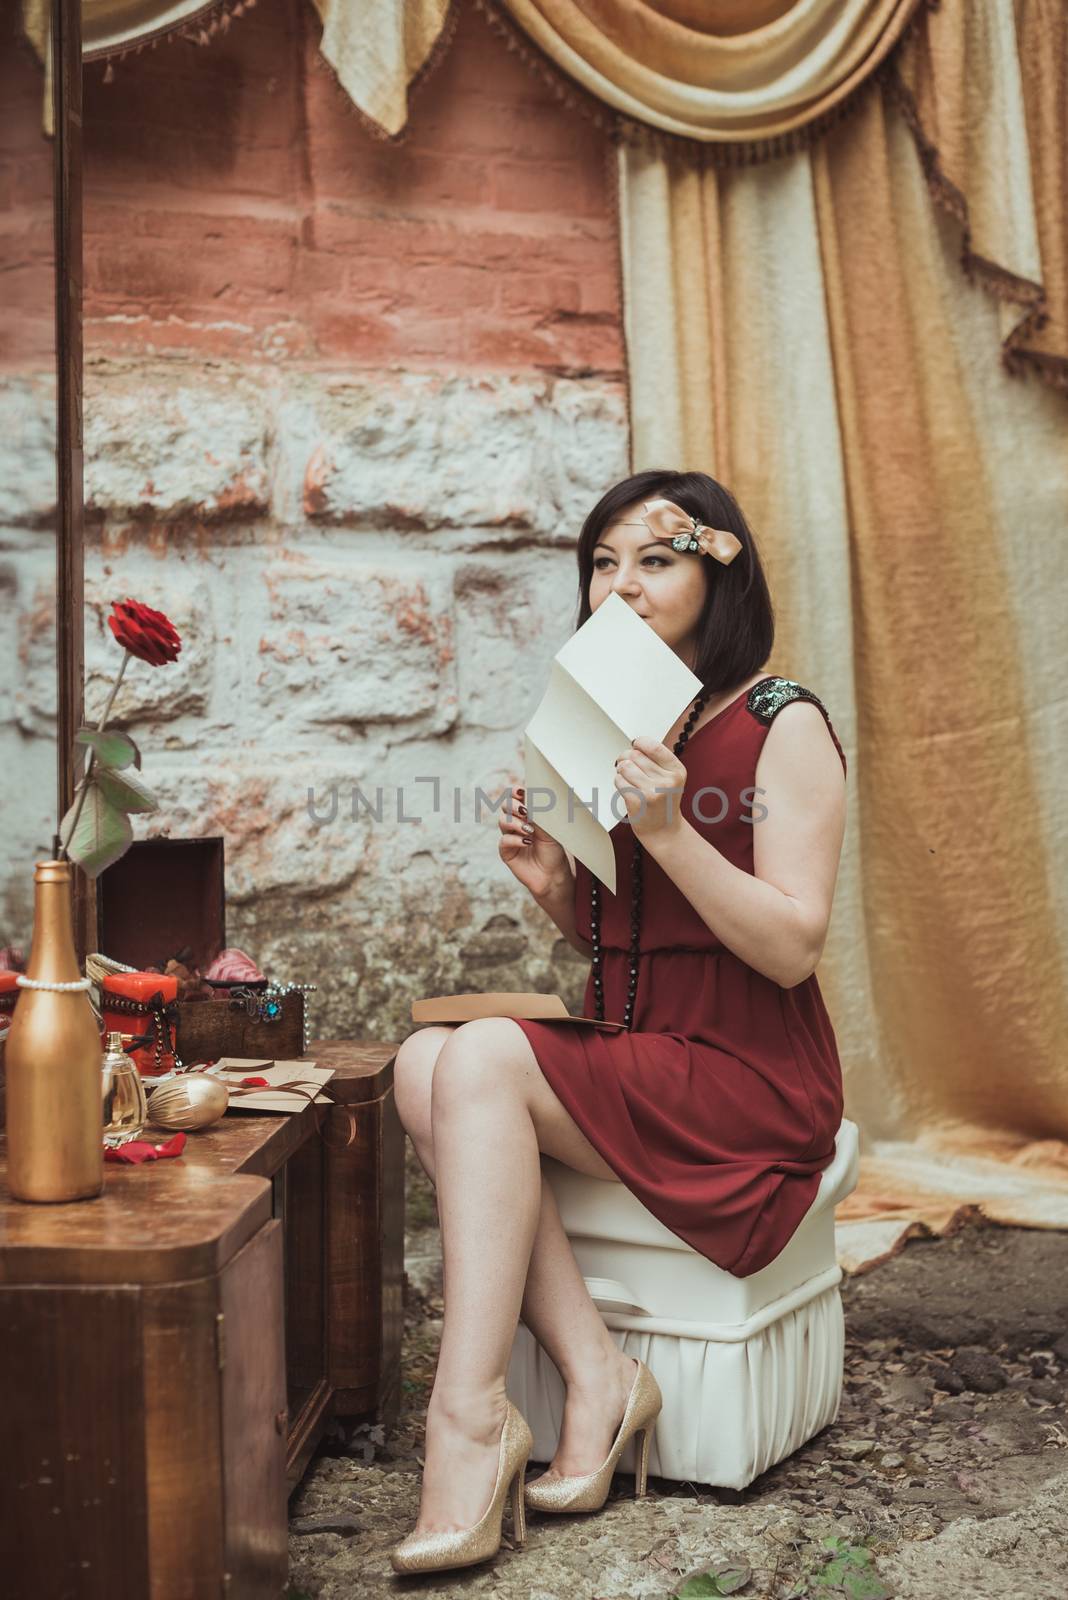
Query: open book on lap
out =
(532, 1007)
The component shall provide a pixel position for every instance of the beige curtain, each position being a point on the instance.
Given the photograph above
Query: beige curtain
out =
(802, 330)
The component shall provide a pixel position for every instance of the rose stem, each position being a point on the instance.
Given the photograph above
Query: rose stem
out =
(83, 783)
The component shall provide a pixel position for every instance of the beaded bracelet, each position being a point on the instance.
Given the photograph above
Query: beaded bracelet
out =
(264, 1005)
(58, 988)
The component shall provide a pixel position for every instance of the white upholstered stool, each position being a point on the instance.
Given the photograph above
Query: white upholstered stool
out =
(750, 1368)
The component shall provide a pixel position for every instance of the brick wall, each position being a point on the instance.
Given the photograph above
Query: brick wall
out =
(347, 403)
(237, 206)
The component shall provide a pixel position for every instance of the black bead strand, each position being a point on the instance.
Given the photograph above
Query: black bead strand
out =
(597, 964)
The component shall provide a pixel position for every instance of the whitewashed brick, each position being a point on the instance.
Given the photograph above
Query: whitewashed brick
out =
(341, 641)
(165, 441)
(28, 449)
(513, 612)
(261, 807)
(489, 458)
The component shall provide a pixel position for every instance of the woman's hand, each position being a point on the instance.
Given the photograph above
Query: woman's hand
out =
(540, 864)
(658, 776)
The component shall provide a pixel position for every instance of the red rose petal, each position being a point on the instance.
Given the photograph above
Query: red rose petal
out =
(140, 1150)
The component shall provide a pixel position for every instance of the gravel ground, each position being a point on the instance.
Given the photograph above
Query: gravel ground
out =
(945, 1473)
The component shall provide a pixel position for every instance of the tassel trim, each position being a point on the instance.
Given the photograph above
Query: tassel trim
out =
(622, 128)
(1009, 287)
(201, 28)
(565, 89)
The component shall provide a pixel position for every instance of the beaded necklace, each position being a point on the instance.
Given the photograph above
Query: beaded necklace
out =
(635, 899)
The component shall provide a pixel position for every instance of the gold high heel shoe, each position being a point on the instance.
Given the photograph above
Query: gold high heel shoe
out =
(589, 1491)
(463, 1547)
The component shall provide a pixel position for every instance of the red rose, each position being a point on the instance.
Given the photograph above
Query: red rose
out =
(146, 634)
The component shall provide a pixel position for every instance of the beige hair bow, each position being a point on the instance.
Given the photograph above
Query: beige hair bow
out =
(665, 520)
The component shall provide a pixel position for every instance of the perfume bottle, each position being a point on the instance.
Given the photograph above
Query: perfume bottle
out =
(125, 1105)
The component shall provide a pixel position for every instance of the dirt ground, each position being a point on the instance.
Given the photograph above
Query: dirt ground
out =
(944, 1475)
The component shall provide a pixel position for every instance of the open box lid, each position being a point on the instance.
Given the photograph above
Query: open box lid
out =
(163, 896)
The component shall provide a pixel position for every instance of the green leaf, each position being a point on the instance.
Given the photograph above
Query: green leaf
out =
(113, 749)
(864, 1584)
(708, 1585)
(732, 1577)
(126, 793)
(699, 1586)
(103, 834)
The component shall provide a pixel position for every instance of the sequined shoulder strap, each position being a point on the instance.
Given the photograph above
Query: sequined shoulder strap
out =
(766, 699)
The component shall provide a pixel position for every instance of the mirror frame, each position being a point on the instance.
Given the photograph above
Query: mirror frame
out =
(70, 504)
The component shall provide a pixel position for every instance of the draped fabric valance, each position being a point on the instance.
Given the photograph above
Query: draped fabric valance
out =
(718, 71)
(111, 26)
(723, 71)
(376, 50)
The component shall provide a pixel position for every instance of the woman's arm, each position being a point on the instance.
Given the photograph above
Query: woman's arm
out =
(559, 901)
(774, 919)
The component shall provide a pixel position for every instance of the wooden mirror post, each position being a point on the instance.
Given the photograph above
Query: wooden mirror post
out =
(70, 593)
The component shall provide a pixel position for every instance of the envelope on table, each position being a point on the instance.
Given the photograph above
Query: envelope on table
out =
(231, 1069)
(613, 680)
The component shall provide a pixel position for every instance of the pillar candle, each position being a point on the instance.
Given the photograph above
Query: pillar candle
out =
(136, 990)
(9, 993)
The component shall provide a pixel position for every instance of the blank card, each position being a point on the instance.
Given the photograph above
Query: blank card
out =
(613, 680)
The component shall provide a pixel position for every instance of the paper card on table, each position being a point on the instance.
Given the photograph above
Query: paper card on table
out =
(533, 1007)
(305, 1074)
(611, 681)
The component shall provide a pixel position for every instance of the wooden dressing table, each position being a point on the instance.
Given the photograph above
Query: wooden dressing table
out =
(170, 1352)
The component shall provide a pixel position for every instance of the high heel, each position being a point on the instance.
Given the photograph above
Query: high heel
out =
(589, 1491)
(464, 1547)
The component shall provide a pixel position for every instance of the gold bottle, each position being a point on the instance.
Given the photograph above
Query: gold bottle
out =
(55, 1125)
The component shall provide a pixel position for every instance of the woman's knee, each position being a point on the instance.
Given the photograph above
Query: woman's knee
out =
(480, 1059)
(413, 1076)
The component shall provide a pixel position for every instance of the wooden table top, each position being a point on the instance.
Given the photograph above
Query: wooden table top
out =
(183, 1217)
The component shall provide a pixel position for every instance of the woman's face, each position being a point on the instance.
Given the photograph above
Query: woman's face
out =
(665, 586)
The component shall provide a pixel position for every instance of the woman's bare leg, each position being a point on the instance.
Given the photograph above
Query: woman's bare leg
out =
(550, 1292)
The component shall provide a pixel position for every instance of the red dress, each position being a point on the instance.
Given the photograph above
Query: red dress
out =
(719, 1109)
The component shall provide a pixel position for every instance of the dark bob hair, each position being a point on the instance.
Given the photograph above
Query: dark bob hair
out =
(736, 629)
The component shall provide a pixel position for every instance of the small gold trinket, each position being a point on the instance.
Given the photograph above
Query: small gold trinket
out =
(194, 1100)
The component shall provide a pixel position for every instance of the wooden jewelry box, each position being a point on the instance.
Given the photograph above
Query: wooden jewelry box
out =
(165, 898)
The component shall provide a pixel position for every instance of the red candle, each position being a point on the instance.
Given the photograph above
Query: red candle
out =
(9, 993)
(143, 995)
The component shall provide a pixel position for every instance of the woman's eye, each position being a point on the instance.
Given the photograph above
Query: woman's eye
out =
(606, 561)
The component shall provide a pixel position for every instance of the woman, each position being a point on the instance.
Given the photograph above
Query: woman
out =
(718, 1106)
